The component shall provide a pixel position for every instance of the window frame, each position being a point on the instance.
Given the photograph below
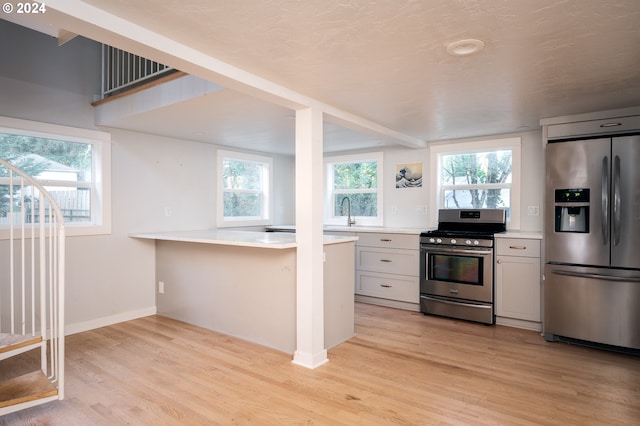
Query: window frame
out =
(266, 217)
(435, 158)
(100, 185)
(329, 217)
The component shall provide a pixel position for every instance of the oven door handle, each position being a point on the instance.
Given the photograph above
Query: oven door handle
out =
(449, 302)
(457, 251)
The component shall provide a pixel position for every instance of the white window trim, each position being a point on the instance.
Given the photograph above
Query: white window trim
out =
(329, 217)
(101, 169)
(267, 201)
(436, 151)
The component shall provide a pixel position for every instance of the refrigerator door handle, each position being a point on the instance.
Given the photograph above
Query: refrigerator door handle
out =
(594, 276)
(605, 200)
(616, 201)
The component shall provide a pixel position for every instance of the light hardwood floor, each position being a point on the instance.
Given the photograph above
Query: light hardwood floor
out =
(401, 368)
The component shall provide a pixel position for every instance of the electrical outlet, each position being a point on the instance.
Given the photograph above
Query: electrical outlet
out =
(161, 287)
(167, 211)
(394, 209)
(533, 210)
(421, 210)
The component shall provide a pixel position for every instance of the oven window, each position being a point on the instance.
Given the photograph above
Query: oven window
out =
(455, 269)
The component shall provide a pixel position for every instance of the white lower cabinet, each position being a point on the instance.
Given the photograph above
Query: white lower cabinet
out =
(387, 269)
(387, 286)
(518, 282)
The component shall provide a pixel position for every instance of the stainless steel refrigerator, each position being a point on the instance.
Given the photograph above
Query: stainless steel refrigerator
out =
(592, 241)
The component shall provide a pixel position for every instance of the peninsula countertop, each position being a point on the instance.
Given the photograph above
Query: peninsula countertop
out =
(272, 240)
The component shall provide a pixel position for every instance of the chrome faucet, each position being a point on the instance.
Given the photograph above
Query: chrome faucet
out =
(349, 220)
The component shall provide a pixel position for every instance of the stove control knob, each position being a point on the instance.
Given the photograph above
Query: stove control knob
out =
(453, 241)
(468, 242)
(432, 240)
(476, 242)
(439, 240)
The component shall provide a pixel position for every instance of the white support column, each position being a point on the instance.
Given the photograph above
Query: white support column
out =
(310, 351)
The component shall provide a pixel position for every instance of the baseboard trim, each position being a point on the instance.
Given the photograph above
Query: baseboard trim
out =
(79, 327)
(309, 360)
(512, 322)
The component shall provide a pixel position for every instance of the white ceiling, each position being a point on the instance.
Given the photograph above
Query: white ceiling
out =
(386, 61)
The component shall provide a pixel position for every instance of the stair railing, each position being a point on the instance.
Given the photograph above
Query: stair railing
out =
(36, 269)
(122, 70)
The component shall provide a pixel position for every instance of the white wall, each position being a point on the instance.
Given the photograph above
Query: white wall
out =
(161, 183)
(405, 207)
(284, 186)
(533, 180)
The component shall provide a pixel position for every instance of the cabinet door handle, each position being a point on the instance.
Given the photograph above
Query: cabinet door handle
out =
(385, 260)
(385, 285)
(499, 261)
(386, 240)
(518, 247)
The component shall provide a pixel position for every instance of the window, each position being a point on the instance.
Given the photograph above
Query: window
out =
(475, 175)
(354, 182)
(72, 164)
(244, 189)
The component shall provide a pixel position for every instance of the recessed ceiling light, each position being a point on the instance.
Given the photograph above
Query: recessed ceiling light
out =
(465, 47)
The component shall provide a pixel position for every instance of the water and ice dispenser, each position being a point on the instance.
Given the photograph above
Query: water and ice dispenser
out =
(572, 210)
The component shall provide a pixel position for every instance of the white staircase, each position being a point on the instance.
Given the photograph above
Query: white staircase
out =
(32, 273)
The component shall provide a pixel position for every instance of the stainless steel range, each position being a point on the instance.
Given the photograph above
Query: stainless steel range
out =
(456, 264)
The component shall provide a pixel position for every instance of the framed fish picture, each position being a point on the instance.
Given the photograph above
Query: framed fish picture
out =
(409, 175)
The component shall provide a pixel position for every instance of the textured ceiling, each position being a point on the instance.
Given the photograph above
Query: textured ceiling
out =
(386, 60)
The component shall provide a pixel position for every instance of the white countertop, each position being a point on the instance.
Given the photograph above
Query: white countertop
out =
(273, 240)
(356, 228)
(529, 235)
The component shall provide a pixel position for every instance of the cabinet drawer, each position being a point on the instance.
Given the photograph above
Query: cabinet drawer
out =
(384, 240)
(385, 286)
(517, 247)
(390, 261)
